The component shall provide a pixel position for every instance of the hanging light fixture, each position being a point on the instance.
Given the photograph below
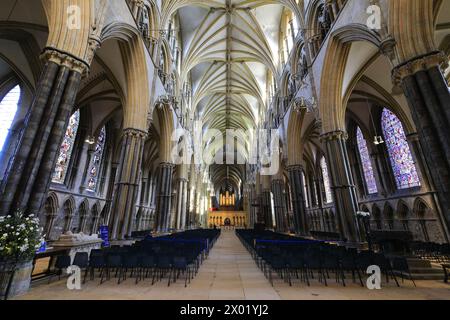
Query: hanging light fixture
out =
(90, 140)
(377, 139)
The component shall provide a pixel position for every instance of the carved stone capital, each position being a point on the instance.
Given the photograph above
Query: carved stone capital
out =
(423, 63)
(94, 45)
(334, 135)
(135, 133)
(295, 167)
(66, 60)
(166, 165)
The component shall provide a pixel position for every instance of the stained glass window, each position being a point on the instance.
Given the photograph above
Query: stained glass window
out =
(369, 175)
(96, 161)
(8, 110)
(326, 181)
(66, 149)
(402, 162)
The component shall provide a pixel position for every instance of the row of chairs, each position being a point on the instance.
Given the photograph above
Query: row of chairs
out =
(156, 258)
(297, 258)
(431, 251)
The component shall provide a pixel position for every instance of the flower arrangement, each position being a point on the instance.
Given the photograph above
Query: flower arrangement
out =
(20, 237)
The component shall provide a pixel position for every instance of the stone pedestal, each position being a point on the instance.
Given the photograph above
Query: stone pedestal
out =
(21, 273)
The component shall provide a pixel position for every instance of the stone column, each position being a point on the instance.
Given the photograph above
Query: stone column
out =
(280, 205)
(428, 95)
(83, 222)
(68, 223)
(344, 191)
(26, 182)
(127, 183)
(298, 200)
(379, 171)
(184, 204)
(188, 206)
(95, 223)
(85, 180)
(266, 214)
(179, 191)
(180, 220)
(164, 197)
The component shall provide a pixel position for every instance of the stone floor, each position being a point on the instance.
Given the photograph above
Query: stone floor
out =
(231, 274)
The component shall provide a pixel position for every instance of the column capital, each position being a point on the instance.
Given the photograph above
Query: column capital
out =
(295, 167)
(139, 3)
(137, 133)
(276, 181)
(334, 135)
(421, 63)
(65, 60)
(166, 165)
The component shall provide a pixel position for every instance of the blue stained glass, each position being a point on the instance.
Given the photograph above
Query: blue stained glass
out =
(366, 163)
(326, 181)
(402, 162)
(96, 161)
(66, 149)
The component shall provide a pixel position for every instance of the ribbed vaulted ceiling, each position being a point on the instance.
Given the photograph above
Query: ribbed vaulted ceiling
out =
(228, 48)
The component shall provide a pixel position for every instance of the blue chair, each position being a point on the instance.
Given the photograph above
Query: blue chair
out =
(113, 262)
(62, 262)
